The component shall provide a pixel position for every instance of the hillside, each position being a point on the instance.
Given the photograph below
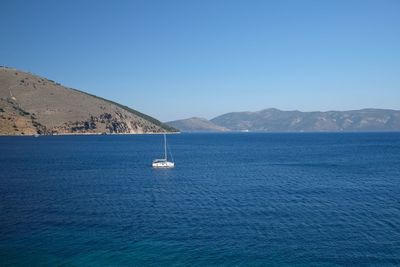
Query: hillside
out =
(30, 104)
(275, 120)
(196, 125)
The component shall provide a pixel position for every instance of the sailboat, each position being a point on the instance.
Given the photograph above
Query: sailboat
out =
(163, 163)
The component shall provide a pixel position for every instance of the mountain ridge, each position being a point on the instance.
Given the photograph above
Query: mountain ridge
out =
(196, 124)
(276, 120)
(31, 104)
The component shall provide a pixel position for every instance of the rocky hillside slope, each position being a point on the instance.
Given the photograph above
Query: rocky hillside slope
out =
(30, 104)
(196, 125)
(275, 120)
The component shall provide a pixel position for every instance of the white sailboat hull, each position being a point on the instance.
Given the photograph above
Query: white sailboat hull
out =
(163, 164)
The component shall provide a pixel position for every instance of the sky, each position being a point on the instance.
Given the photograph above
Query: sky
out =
(178, 59)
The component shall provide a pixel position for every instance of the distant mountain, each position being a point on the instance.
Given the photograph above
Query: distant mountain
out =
(275, 120)
(30, 104)
(196, 125)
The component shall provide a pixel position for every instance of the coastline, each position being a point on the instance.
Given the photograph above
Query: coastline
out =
(68, 134)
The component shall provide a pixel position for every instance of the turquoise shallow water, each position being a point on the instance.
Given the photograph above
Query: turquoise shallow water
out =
(248, 199)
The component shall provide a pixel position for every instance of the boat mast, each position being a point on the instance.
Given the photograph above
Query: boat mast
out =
(165, 147)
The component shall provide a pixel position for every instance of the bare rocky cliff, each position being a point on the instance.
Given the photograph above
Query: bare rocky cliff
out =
(30, 104)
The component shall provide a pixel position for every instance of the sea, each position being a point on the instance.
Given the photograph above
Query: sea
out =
(233, 199)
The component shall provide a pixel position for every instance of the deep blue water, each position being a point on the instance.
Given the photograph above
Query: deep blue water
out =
(245, 199)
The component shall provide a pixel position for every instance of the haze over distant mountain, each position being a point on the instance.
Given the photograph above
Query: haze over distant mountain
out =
(275, 120)
(196, 125)
(30, 104)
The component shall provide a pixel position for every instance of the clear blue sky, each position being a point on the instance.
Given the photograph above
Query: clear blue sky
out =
(176, 59)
